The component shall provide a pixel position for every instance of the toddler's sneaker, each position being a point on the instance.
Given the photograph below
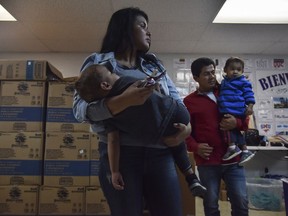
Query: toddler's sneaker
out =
(197, 189)
(231, 153)
(245, 157)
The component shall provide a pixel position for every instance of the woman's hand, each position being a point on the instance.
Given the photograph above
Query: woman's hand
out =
(136, 95)
(175, 139)
(132, 96)
(117, 181)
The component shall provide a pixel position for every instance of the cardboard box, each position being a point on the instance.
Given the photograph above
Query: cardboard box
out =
(19, 200)
(22, 105)
(67, 159)
(28, 70)
(94, 160)
(61, 200)
(21, 158)
(59, 113)
(95, 202)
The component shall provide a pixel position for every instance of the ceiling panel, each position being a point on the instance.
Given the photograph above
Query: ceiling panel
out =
(59, 10)
(177, 27)
(14, 30)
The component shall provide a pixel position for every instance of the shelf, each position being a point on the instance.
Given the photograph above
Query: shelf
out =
(267, 148)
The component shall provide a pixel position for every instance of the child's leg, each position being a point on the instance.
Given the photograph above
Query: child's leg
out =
(229, 139)
(183, 163)
(232, 150)
(181, 159)
(246, 154)
(243, 147)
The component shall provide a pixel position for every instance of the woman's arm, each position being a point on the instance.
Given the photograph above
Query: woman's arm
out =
(81, 109)
(114, 150)
(106, 108)
(114, 155)
(95, 111)
(175, 139)
(172, 90)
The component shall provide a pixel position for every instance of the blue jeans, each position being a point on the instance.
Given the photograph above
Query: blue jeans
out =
(234, 178)
(148, 173)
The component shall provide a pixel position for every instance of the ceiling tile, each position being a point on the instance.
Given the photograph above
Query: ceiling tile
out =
(177, 27)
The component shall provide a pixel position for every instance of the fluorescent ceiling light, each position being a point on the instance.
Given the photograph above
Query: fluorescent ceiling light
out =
(5, 15)
(253, 11)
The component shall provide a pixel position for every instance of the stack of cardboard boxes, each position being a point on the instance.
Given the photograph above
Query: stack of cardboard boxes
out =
(44, 152)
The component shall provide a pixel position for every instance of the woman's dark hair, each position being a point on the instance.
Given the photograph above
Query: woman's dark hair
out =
(199, 63)
(119, 35)
(234, 60)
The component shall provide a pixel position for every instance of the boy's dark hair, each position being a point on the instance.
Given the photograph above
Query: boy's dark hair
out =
(88, 84)
(199, 63)
(119, 35)
(234, 60)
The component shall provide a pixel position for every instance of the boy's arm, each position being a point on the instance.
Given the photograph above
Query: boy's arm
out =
(192, 145)
(201, 149)
(248, 95)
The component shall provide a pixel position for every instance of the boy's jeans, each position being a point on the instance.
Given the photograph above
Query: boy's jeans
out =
(234, 178)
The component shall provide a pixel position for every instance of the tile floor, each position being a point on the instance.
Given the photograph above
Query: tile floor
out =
(225, 210)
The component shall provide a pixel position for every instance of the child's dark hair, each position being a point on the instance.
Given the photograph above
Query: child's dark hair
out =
(233, 60)
(88, 84)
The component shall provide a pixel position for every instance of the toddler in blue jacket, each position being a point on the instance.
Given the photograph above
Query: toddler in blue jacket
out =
(236, 98)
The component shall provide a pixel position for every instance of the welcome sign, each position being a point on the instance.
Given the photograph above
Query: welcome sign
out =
(272, 102)
(276, 83)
